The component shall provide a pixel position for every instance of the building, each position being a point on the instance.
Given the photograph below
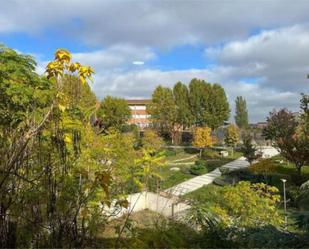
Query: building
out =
(139, 114)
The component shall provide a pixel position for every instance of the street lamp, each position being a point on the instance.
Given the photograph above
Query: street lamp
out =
(284, 199)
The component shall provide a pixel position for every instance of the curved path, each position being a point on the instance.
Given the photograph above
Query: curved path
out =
(199, 181)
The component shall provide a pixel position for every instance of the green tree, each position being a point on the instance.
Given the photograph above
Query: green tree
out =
(163, 111)
(218, 107)
(181, 96)
(199, 97)
(231, 136)
(209, 104)
(241, 117)
(248, 149)
(113, 112)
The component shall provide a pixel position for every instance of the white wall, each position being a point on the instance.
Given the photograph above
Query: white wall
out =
(148, 200)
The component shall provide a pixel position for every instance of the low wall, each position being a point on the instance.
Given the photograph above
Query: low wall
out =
(167, 207)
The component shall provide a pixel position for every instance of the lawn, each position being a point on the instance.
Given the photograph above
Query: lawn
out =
(184, 159)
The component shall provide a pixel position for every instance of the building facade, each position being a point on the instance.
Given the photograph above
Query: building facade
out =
(139, 115)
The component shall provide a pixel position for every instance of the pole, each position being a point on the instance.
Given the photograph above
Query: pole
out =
(285, 212)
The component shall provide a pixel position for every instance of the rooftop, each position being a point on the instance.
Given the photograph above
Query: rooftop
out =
(138, 101)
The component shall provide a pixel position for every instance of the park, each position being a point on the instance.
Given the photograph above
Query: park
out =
(154, 124)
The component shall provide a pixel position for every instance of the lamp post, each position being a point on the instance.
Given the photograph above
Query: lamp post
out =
(284, 200)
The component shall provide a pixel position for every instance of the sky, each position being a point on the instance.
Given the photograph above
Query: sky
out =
(258, 49)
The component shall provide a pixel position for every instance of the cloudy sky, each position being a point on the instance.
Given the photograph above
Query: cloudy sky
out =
(258, 49)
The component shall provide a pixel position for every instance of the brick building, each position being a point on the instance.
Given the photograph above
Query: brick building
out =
(139, 115)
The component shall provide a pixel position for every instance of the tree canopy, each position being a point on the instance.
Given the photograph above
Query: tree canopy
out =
(241, 112)
(113, 112)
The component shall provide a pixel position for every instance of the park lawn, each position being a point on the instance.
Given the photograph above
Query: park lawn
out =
(172, 154)
(205, 194)
(171, 178)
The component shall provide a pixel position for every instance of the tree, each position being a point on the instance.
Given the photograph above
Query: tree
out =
(151, 141)
(285, 130)
(199, 96)
(218, 107)
(202, 138)
(209, 104)
(163, 111)
(304, 116)
(248, 150)
(181, 96)
(231, 136)
(241, 117)
(113, 112)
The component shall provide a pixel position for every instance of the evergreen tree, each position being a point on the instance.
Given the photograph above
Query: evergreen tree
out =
(241, 117)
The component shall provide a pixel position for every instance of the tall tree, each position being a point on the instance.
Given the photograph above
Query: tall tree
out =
(209, 104)
(113, 112)
(163, 111)
(285, 130)
(218, 107)
(199, 97)
(241, 117)
(181, 96)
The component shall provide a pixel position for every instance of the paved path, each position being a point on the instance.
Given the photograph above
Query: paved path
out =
(200, 181)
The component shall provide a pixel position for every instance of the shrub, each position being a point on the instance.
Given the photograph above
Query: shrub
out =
(170, 152)
(210, 154)
(198, 168)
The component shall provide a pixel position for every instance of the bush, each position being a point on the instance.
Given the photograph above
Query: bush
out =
(210, 154)
(198, 168)
(170, 152)
(303, 200)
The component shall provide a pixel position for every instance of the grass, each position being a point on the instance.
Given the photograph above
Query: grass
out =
(203, 195)
(171, 178)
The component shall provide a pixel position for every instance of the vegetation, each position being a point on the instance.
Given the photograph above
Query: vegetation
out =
(248, 149)
(202, 138)
(60, 172)
(163, 118)
(113, 112)
(241, 117)
(290, 135)
(231, 136)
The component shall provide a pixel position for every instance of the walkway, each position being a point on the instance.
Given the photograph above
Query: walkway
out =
(200, 181)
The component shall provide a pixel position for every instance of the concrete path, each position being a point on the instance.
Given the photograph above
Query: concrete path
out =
(200, 181)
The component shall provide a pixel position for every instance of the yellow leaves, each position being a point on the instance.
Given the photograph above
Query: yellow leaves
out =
(231, 135)
(61, 107)
(62, 64)
(67, 139)
(63, 56)
(202, 137)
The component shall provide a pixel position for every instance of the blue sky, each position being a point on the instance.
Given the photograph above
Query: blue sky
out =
(256, 49)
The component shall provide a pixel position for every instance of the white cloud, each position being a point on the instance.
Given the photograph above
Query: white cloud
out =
(280, 57)
(150, 23)
(138, 63)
